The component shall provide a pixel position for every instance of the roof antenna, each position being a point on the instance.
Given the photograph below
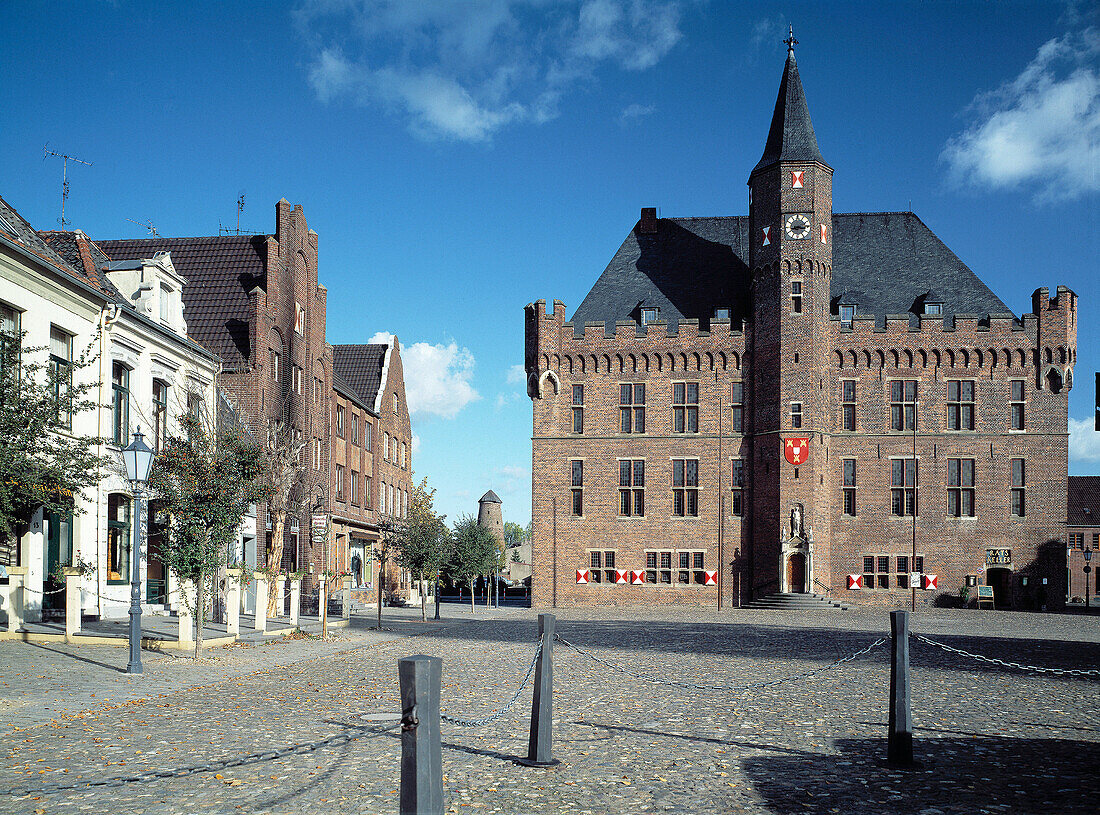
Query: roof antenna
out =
(46, 152)
(225, 230)
(148, 225)
(240, 209)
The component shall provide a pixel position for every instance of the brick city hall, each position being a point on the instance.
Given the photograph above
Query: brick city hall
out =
(797, 401)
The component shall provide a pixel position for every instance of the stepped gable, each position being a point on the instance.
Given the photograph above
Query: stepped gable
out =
(220, 272)
(884, 261)
(359, 368)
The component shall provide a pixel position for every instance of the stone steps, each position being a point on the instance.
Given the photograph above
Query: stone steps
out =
(796, 602)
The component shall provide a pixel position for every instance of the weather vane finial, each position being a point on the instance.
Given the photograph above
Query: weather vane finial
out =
(790, 42)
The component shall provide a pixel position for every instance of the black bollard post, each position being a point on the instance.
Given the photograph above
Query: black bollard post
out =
(540, 743)
(899, 749)
(421, 747)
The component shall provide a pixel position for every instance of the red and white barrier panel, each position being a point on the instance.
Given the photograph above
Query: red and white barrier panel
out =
(710, 578)
(582, 575)
(637, 577)
(620, 576)
(855, 582)
(930, 581)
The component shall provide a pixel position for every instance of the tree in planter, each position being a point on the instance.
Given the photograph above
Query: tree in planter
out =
(474, 550)
(39, 466)
(283, 473)
(423, 539)
(205, 484)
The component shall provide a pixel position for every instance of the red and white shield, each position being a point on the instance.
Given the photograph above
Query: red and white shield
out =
(824, 234)
(620, 575)
(637, 577)
(710, 578)
(582, 575)
(855, 582)
(766, 236)
(796, 450)
(930, 581)
(796, 178)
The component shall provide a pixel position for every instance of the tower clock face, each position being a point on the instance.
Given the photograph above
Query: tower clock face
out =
(797, 227)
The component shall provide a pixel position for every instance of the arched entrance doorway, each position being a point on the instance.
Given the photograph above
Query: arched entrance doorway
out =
(796, 573)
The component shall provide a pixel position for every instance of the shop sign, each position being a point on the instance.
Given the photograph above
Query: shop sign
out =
(998, 557)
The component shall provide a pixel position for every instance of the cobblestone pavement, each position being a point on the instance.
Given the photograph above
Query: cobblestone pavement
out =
(989, 739)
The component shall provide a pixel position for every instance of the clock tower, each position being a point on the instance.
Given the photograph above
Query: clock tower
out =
(790, 222)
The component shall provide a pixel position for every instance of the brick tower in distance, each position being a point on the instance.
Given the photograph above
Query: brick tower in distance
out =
(790, 255)
(489, 515)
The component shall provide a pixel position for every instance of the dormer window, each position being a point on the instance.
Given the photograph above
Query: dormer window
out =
(165, 303)
(721, 314)
(933, 309)
(847, 314)
(650, 314)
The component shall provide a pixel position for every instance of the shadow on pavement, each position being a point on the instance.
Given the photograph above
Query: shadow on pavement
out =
(112, 668)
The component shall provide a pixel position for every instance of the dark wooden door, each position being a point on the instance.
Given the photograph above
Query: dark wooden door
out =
(796, 573)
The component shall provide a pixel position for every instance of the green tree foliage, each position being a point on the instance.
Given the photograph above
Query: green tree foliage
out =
(205, 484)
(514, 534)
(423, 540)
(474, 551)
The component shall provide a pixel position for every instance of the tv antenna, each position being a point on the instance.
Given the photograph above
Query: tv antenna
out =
(225, 230)
(46, 152)
(148, 225)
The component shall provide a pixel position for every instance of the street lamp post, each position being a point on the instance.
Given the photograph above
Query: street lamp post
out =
(137, 458)
(913, 562)
(1087, 569)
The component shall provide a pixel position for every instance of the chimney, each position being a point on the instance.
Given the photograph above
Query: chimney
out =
(647, 224)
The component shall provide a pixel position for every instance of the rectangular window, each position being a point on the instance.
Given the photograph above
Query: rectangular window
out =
(317, 454)
(632, 487)
(650, 314)
(847, 314)
(118, 538)
(577, 482)
(339, 482)
(355, 487)
(274, 366)
(849, 486)
(737, 407)
(354, 429)
(368, 435)
(632, 408)
(848, 404)
(10, 345)
(960, 487)
(340, 421)
(685, 487)
(796, 414)
(61, 377)
(601, 564)
(160, 414)
(1019, 481)
(960, 404)
(165, 303)
(385, 446)
(1017, 404)
(367, 494)
(658, 567)
(685, 407)
(737, 488)
(690, 568)
(120, 404)
(796, 296)
(1077, 540)
(404, 455)
(903, 483)
(903, 404)
(296, 378)
(578, 408)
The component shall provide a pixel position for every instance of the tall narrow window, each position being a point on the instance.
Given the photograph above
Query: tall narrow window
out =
(578, 408)
(903, 483)
(1019, 481)
(577, 482)
(118, 538)
(848, 404)
(274, 366)
(685, 487)
(354, 482)
(849, 486)
(368, 496)
(796, 414)
(903, 407)
(354, 428)
(685, 407)
(339, 482)
(632, 408)
(796, 296)
(160, 414)
(340, 421)
(847, 315)
(1017, 404)
(404, 453)
(61, 377)
(317, 454)
(632, 487)
(960, 487)
(368, 435)
(737, 487)
(737, 407)
(296, 378)
(602, 566)
(960, 404)
(120, 404)
(10, 344)
(165, 303)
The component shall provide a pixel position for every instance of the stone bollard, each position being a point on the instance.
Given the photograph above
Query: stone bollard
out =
(72, 602)
(540, 741)
(233, 601)
(421, 743)
(17, 577)
(278, 589)
(295, 600)
(261, 601)
(899, 748)
(347, 598)
(186, 614)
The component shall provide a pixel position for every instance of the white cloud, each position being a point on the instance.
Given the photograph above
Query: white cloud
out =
(415, 444)
(517, 375)
(1042, 129)
(631, 113)
(1084, 442)
(437, 377)
(463, 69)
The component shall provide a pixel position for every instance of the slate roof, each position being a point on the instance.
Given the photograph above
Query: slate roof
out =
(220, 272)
(791, 136)
(1084, 492)
(883, 262)
(489, 498)
(23, 233)
(86, 257)
(359, 368)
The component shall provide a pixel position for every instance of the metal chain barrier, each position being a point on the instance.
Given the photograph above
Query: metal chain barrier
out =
(497, 714)
(357, 732)
(1004, 664)
(723, 688)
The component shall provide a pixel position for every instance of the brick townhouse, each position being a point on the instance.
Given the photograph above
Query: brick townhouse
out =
(796, 401)
(1083, 534)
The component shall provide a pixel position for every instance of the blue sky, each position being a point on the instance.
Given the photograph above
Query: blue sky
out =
(461, 159)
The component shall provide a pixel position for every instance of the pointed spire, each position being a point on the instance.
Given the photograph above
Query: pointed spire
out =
(791, 137)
